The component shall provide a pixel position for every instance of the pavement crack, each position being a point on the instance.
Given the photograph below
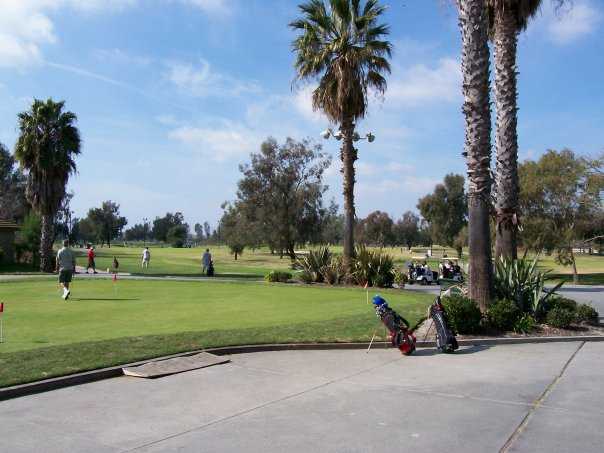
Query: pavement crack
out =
(261, 406)
(538, 403)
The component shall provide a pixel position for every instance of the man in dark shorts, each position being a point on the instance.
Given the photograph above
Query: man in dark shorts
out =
(91, 263)
(65, 267)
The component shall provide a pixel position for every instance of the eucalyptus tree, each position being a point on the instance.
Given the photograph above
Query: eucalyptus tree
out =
(475, 66)
(46, 149)
(342, 44)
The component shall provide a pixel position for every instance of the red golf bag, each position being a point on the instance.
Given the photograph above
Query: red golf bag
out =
(398, 327)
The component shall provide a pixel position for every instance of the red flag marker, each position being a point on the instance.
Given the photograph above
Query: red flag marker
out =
(1, 307)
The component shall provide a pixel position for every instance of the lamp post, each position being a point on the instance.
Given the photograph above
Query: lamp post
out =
(348, 154)
(145, 223)
(338, 135)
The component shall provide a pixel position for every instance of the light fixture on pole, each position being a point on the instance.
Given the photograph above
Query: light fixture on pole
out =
(338, 135)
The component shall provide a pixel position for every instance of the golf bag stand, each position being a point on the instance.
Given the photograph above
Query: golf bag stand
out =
(445, 337)
(398, 327)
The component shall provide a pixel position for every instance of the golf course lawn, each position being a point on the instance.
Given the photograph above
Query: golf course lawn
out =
(255, 264)
(106, 323)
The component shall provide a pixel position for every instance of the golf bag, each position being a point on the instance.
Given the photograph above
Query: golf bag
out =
(398, 327)
(445, 338)
(210, 271)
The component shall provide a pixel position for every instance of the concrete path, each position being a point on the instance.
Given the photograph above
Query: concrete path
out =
(520, 398)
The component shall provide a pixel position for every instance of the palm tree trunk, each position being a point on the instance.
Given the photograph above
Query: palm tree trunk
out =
(47, 227)
(506, 94)
(348, 155)
(476, 109)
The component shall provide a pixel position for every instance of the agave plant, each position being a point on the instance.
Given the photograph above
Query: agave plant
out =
(373, 268)
(521, 281)
(334, 272)
(314, 262)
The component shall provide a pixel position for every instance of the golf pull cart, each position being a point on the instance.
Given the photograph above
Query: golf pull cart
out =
(398, 327)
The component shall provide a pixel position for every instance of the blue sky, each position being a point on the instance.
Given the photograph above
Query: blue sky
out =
(172, 95)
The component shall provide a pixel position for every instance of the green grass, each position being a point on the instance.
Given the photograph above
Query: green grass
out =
(187, 261)
(106, 324)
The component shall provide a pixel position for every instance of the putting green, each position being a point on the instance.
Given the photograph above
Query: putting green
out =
(106, 323)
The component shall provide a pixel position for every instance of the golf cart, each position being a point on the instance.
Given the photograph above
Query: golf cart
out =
(450, 270)
(422, 274)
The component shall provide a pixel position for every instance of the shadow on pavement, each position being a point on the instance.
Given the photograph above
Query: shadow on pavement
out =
(461, 351)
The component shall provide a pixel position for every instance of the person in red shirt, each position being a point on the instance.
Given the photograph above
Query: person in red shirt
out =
(91, 263)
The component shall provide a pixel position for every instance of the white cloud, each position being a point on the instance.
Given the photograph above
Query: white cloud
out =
(573, 22)
(25, 26)
(121, 57)
(229, 140)
(203, 81)
(421, 84)
(213, 7)
(302, 102)
(406, 183)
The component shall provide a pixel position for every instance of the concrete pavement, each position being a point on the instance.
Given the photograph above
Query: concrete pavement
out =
(539, 397)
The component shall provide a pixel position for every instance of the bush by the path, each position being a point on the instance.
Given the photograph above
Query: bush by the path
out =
(503, 315)
(525, 324)
(587, 314)
(560, 318)
(463, 313)
(278, 277)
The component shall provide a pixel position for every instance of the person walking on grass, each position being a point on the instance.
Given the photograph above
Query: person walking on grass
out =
(206, 259)
(91, 263)
(146, 258)
(65, 267)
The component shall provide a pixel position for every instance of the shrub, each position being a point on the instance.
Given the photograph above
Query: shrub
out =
(560, 317)
(334, 272)
(27, 247)
(314, 262)
(463, 313)
(522, 282)
(561, 302)
(1, 255)
(587, 314)
(374, 268)
(503, 314)
(400, 277)
(278, 276)
(525, 324)
(306, 277)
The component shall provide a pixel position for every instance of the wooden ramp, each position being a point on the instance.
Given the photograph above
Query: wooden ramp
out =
(176, 365)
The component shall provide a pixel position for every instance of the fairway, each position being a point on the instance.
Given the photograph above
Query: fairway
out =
(106, 323)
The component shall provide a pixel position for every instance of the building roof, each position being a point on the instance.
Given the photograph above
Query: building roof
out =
(8, 225)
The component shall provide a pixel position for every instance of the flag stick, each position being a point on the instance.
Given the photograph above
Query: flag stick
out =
(371, 342)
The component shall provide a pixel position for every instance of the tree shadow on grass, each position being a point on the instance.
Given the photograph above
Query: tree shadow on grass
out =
(98, 298)
(461, 351)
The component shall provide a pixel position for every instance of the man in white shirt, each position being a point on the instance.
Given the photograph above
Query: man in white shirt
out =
(65, 267)
(146, 258)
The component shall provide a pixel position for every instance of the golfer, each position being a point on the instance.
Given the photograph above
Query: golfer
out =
(91, 263)
(146, 258)
(206, 259)
(65, 267)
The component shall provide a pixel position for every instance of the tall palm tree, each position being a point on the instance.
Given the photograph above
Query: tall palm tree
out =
(507, 18)
(48, 142)
(340, 42)
(475, 70)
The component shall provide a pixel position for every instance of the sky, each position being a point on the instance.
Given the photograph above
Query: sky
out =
(172, 95)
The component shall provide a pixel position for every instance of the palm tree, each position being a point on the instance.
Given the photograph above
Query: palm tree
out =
(507, 18)
(475, 70)
(47, 144)
(340, 43)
